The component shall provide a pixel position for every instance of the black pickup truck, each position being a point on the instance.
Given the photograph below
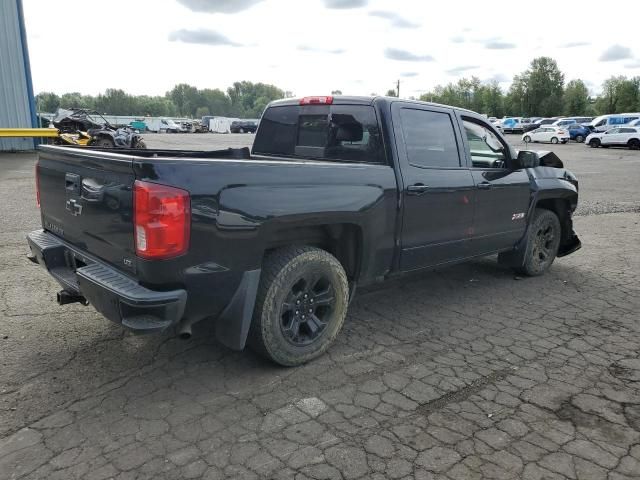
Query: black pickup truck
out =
(271, 244)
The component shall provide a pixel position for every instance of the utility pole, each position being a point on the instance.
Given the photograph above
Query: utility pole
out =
(398, 89)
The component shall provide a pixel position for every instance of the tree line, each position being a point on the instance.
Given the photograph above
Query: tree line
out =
(539, 91)
(243, 100)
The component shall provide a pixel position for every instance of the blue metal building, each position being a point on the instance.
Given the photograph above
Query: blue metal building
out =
(17, 103)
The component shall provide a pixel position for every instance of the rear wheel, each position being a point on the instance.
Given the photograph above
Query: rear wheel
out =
(301, 305)
(543, 241)
(594, 143)
(554, 140)
(634, 144)
(579, 138)
(241, 130)
(104, 142)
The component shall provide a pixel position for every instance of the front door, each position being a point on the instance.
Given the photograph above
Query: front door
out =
(502, 195)
(438, 187)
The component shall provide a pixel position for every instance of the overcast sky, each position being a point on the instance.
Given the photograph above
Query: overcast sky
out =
(311, 47)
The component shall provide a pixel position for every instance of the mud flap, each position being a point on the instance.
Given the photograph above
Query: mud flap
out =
(232, 326)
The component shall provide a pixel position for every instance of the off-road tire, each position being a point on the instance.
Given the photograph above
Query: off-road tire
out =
(104, 142)
(281, 271)
(554, 140)
(543, 241)
(594, 143)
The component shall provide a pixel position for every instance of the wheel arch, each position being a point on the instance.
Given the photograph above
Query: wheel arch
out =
(345, 241)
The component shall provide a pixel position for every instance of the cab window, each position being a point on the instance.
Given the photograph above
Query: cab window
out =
(484, 148)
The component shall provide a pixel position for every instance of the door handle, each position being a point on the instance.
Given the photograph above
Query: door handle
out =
(72, 182)
(417, 189)
(484, 186)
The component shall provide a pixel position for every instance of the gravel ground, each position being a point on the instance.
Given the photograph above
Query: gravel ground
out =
(466, 372)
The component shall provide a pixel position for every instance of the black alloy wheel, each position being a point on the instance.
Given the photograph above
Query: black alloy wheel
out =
(307, 309)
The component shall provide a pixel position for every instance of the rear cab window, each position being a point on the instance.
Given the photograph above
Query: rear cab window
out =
(346, 133)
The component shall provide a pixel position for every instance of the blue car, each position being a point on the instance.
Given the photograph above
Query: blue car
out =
(578, 132)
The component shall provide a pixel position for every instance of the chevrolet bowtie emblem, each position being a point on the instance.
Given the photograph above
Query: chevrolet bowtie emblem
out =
(74, 207)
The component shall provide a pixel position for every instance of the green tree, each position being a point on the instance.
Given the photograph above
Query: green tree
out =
(516, 101)
(201, 112)
(115, 102)
(629, 95)
(186, 98)
(334, 92)
(47, 102)
(76, 100)
(248, 99)
(576, 98)
(216, 101)
(493, 99)
(544, 86)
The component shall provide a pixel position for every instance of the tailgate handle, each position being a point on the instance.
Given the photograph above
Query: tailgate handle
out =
(92, 191)
(72, 182)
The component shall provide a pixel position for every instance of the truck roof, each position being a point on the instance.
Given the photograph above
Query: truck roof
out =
(365, 100)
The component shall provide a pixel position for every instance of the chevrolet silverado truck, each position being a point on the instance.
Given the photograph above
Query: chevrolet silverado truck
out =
(337, 192)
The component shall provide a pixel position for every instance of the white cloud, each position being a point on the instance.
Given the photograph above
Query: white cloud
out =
(615, 52)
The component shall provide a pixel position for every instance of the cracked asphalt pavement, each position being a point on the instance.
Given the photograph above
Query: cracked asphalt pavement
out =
(465, 372)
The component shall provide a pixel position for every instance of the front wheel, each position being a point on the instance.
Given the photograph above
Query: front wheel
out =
(634, 144)
(301, 305)
(594, 143)
(579, 138)
(543, 241)
(554, 140)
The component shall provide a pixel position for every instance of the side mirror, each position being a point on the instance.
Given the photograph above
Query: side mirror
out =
(527, 159)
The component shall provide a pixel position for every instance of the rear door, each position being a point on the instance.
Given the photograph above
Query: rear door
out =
(438, 188)
(86, 199)
(502, 193)
(610, 136)
(625, 134)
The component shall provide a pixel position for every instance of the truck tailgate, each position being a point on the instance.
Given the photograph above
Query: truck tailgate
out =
(86, 199)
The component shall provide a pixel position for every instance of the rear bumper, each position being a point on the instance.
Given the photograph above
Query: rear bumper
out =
(115, 295)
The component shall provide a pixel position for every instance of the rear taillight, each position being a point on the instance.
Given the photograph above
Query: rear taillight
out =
(37, 172)
(162, 220)
(316, 100)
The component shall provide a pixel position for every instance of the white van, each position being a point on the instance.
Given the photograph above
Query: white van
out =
(605, 122)
(162, 125)
(221, 124)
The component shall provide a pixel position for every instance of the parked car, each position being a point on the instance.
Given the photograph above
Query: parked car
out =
(634, 123)
(538, 123)
(616, 137)
(273, 243)
(605, 122)
(579, 132)
(547, 134)
(244, 126)
(565, 121)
